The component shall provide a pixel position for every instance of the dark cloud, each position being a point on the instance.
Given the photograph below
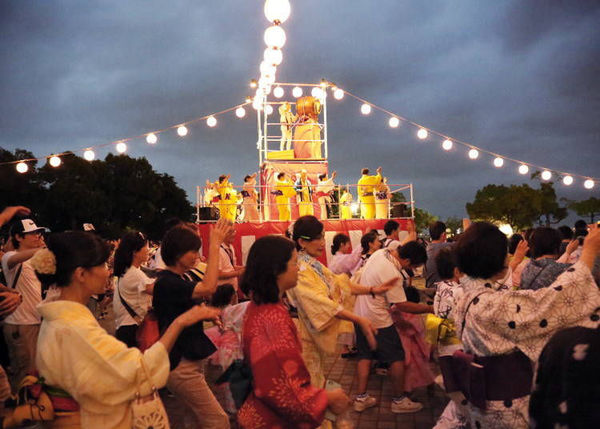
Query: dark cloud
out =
(517, 78)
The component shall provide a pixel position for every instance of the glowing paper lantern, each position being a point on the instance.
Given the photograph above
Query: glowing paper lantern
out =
(182, 131)
(240, 112)
(588, 184)
(211, 121)
(54, 161)
(498, 162)
(278, 92)
(546, 175)
(277, 10)
(473, 154)
(316, 92)
(422, 133)
(394, 122)
(568, 180)
(273, 56)
(121, 147)
(267, 69)
(89, 155)
(365, 109)
(275, 37)
(297, 92)
(22, 167)
(151, 138)
(338, 94)
(447, 144)
(523, 169)
(268, 109)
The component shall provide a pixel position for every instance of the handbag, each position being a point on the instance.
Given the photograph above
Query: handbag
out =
(148, 332)
(148, 412)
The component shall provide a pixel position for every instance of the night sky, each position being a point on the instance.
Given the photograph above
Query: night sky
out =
(519, 78)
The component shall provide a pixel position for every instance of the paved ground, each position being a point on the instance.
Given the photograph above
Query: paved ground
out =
(379, 417)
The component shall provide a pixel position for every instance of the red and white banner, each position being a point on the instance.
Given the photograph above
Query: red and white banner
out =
(247, 233)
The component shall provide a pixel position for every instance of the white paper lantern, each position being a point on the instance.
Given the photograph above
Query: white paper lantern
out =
(89, 155)
(240, 112)
(54, 161)
(588, 184)
(275, 37)
(151, 138)
(277, 10)
(473, 154)
(297, 92)
(278, 92)
(121, 147)
(182, 131)
(273, 56)
(498, 162)
(546, 175)
(523, 169)
(394, 122)
(338, 94)
(211, 121)
(422, 133)
(365, 109)
(447, 144)
(568, 180)
(22, 167)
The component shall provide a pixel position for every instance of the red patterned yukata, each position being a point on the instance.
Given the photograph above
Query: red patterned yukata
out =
(282, 396)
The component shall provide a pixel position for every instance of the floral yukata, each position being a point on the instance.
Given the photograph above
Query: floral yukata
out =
(501, 322)
(282, 395)
(319, 296)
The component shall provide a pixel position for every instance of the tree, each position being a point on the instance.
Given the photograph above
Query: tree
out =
(454, 224)
(517, 205)
(423, 219)
(116, 194)
(589, 207)
(550, 211)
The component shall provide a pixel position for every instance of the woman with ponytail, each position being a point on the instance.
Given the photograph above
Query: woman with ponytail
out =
(76, 355)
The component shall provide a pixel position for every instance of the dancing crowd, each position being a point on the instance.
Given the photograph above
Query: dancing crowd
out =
(512, 324)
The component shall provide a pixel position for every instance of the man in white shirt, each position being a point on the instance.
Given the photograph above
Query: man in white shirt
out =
(21, 328)
(229, 270)
(384, 265)
(323, 192)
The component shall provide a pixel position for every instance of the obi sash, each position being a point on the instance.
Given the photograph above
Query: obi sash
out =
(277, 193)
(367, 194)
(381, 195)
(245, 194)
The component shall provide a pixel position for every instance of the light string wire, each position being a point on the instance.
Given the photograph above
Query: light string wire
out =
(460, 142)
(128, 139)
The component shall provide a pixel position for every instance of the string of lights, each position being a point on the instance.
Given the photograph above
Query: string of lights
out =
(89, 154)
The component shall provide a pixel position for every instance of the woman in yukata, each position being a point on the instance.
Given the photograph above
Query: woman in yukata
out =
(324, 300)
(283, 394)
(505, 330)
(76, 356)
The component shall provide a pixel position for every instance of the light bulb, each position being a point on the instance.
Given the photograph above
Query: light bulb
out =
(54, 161)
(89, 155)
(523, 169)
(316, 92)
(253, 83)
(273, 56)
(211, 121)
(546, 175)
(182, 131)
(365, 109)
(22, 167)
(394, 122)
(278, 92)
(121, 147)
(151, 138)
(568, 180)
(274, 37)
(422, 133)
(447, 144)
(473, 154)
(498, 162)
(268, 109)
(297, 92)
(338, 94)
(240, 112)
(277, 10)
(588, 184)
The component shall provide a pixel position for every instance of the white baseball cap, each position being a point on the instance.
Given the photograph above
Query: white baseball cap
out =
(25, 226)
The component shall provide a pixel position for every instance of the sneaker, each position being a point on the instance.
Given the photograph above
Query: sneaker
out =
(360, 405)
(406, 406)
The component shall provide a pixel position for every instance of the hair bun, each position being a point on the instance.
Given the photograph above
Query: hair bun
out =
(44, 262)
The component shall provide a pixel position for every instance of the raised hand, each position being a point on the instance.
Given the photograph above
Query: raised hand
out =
(222, 229)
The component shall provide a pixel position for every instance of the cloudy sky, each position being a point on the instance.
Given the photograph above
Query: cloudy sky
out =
(520, 78)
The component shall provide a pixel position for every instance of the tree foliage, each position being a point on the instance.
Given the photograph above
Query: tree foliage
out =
(115, 194)
(520, 206)
(587, 208)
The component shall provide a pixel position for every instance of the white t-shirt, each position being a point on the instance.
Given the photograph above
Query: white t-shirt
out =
(131, 286)
(227, 262)
(380, 268)
(29, 286)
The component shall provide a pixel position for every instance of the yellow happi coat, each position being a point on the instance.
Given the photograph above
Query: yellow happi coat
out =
(366, 187)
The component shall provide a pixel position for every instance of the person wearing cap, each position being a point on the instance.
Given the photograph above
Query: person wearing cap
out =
(304, 191)
(21, 328)
(366, 185)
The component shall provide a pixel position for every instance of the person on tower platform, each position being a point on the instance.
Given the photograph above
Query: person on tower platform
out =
(323, 191)
(382, 200)
(304, 191)
(284, 190)
(345, 204)
(366, 189)
(228, 202)
(286, 119)
(250, 199)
